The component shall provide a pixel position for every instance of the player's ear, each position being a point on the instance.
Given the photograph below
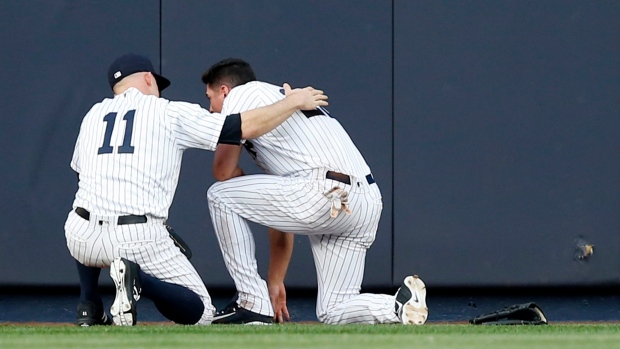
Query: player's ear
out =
(225, 90)
(151, 84)
(148, 78)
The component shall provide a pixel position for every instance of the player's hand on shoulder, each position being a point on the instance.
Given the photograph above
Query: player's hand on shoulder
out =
(307, 98)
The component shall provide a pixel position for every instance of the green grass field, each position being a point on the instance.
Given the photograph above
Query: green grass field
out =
(564, 336)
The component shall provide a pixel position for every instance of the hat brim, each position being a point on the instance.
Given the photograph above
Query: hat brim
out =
(162, 82)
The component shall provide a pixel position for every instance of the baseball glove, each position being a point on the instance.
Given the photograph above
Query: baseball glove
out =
(179, 242)
(518, 314)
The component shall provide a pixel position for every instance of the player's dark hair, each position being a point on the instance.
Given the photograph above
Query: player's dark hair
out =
(230, 71)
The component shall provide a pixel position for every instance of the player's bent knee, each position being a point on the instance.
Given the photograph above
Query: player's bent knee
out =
(213, 191)
(329, 318)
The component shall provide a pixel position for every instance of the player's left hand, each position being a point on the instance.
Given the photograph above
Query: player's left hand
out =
(308, 98)
(277, 293)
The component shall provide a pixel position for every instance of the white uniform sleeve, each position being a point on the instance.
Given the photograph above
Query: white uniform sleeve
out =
(75, 160)
(194, 126)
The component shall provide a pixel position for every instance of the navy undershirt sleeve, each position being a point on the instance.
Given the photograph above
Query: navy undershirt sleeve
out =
(231, 130)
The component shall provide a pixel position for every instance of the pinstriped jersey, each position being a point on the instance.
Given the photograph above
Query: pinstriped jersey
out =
(129, 149)
(305, 141)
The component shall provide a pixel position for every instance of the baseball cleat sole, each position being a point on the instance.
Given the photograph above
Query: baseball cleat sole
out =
(414, 310)
(124, 274)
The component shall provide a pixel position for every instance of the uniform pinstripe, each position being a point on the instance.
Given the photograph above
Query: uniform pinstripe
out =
(118, 180)
(290, 197)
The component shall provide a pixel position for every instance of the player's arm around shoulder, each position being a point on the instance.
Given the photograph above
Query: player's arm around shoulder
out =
(194, 126)
(257, 122)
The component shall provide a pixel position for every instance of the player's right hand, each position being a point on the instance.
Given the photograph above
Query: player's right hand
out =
(277, 293)
(307, 98)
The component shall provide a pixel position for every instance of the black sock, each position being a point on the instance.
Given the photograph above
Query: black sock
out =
(89, 284)
(177, 303)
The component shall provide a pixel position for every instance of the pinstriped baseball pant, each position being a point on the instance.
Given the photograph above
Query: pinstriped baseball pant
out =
(148, 244)
(297, 205)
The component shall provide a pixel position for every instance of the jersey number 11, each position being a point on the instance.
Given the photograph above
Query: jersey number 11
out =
(110, 120)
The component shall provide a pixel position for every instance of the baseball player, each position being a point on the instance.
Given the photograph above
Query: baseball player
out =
(316, 183)
(128, 157)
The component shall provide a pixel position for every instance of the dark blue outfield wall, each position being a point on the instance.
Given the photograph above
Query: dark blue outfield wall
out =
(491, 126)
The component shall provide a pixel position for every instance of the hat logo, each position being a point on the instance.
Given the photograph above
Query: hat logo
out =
(117, 74)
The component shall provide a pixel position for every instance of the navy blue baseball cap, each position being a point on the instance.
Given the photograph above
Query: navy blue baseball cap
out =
(131, 63)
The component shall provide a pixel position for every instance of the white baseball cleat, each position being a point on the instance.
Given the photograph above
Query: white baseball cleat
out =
(411, 301)
(124, 273)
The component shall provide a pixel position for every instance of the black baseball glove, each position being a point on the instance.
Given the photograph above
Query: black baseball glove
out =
(518, 314)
